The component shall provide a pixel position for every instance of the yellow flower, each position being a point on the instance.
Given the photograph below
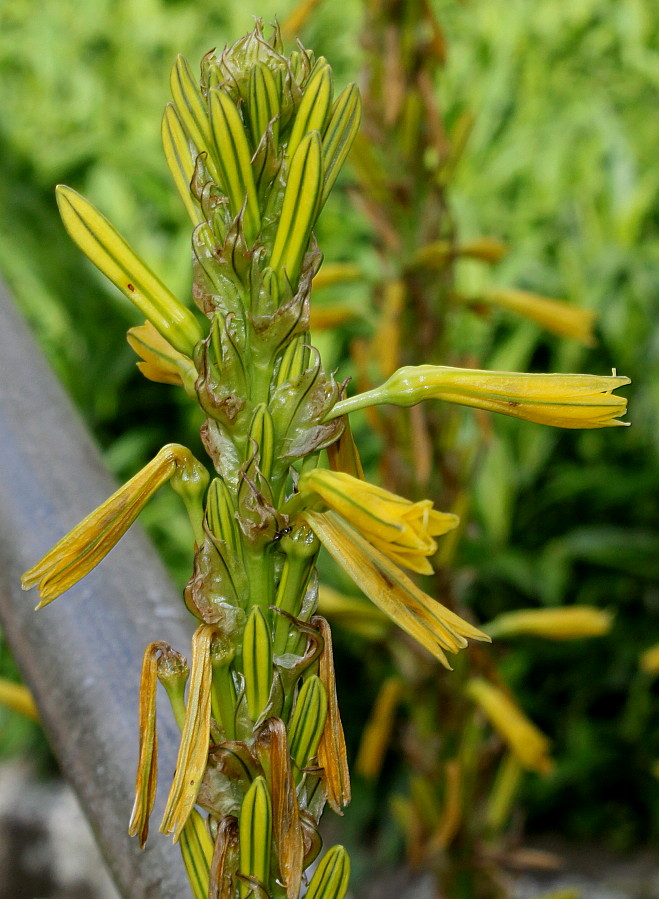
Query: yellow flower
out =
(558, 317)
(649, 661)
(564, 401)
(161, 362)
(429, 622)
(400, 529)
(90, 541)
(569, 623)
(527, 743)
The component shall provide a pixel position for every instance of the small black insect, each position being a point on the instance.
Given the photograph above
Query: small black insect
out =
(282, 533)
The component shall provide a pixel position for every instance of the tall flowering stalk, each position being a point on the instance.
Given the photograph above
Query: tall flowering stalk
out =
(463, 738)
(254, 151)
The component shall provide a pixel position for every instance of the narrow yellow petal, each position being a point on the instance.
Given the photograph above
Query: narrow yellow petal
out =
(147, 766)
(106, 248)
(433, 625)
(193, 749)
(332, 756)
(82, 549)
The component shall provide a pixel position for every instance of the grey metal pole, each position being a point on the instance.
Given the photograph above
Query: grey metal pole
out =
(81, 656)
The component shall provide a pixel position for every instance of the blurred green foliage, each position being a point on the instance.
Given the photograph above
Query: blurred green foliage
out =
(561, 163)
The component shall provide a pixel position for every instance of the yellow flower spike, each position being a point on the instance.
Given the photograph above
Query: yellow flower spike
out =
(197, 851)
(326, 318)
(89, 542)
(147, 766)
(106, 248)
(529, 745)
(569, 623)
(429, 622)
(332, 876)
(553, 315)
(563, 401)
(649, 660)
(332, 755)
(377, 732)
(18, 698)
(160, 361)
(255, 836)
(193, 749)
(400, 529)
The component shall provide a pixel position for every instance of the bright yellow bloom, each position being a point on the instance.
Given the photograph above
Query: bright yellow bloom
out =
(564, 401)
(398, 528)
(526, 741)
(429, 622)
(90, 541)
(569, 623)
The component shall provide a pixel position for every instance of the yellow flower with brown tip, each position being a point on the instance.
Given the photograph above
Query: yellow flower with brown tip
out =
(398, 528)
(527, 743)
(89, 542)
(563, 401)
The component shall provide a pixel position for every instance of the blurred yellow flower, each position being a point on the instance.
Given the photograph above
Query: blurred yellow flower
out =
(529, 745)
(398, 528)
(568, 623)
(554, 315)
(563, 401)
(649, 660)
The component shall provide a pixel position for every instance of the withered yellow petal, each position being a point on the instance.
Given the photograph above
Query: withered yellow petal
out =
(332, 756)
(193, 749)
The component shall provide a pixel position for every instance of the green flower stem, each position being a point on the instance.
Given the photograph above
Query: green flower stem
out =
(376, 396)
(176, 693)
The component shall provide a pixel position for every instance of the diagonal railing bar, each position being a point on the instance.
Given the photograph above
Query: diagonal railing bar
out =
(81, 658)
